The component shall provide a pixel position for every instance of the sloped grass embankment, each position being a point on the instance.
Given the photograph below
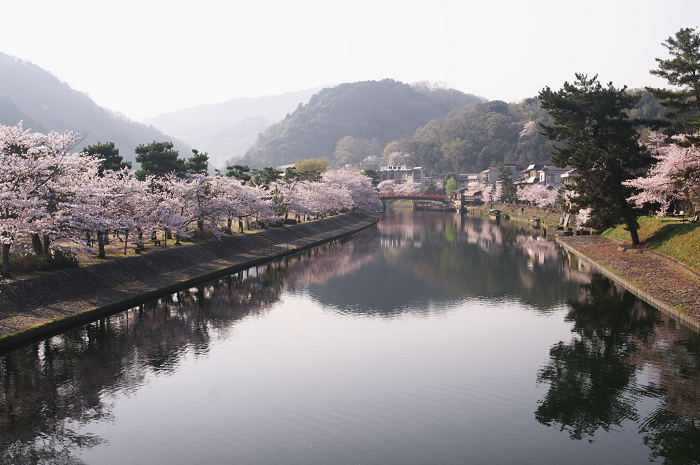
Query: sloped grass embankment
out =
(668, 236)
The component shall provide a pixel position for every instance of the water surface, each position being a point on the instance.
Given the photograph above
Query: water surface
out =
(427, 339)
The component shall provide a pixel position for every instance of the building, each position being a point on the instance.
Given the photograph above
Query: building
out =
(404, 173)
(544, 173)
(470, 179)
(468, 196)
(490, 176)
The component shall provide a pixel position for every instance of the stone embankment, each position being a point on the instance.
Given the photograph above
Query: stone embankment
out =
(524, 213)
(45, 304)
(657, 279)
(661, 281)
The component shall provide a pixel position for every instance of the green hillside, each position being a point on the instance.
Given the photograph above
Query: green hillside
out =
(385, 110)
(472, 138)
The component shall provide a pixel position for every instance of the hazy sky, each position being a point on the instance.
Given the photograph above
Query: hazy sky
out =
(143, 58)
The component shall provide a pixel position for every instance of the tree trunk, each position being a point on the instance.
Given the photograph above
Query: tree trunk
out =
(126, 241)
(47, 243)
(634, 234)
(6, 261)
(36, 244)
(100, 244)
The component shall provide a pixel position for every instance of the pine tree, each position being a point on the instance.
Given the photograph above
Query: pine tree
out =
(111, 160)
(158, 159)
(600, 141)
(683, 72)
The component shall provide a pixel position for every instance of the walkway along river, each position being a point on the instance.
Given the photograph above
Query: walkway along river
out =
(38, 306)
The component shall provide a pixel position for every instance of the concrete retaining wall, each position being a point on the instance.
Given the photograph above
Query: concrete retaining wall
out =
(40, 305)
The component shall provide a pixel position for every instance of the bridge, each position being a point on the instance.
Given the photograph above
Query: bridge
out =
(446, 200)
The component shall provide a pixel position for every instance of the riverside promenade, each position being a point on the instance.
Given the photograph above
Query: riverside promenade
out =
(42, 305)
(657, 279)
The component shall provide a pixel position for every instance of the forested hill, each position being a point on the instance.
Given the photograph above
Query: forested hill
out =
(378, 111)
(472, 138)
(44, 103)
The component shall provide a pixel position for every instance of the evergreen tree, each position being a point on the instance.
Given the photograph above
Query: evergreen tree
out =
(266, 176)
(239, 172)
(158, 159)
(373, 175)
(509, 192)
(109, 155)
(601, 143)
(683, 72)
(198, 163)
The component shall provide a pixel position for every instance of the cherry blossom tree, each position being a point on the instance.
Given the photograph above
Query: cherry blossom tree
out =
(33, 170)
(397, 186)
(675, 175)
(364, 195)
(492, 192)
(539, 195)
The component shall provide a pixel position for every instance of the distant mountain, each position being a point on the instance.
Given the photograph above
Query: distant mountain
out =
(375, 112)
(231, 142)
(226, 130)
(44, 103)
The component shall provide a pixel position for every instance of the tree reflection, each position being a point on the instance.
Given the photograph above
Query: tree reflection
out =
(595, 380)
(470, 256)
(52, 391)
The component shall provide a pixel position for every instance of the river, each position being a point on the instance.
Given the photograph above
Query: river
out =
(429, 338)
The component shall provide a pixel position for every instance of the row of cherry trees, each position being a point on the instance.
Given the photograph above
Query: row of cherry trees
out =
(49, 193)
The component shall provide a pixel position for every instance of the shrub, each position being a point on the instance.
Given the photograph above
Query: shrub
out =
(58, 260)
(23, 264)
(290, 221)
(203, 235)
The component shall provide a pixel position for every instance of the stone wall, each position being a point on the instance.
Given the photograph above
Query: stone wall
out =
(109, 286)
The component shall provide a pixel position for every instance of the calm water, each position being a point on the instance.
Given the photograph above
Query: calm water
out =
(428, 339)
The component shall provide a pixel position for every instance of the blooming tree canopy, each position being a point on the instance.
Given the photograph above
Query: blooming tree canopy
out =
(675, 175)
(539, 195)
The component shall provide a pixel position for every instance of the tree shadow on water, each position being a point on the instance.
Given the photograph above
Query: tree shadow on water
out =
(593, 379)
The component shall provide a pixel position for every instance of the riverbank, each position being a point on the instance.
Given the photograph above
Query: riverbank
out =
(670, 284)
(38, 306)
(522, 213)
(661, 281)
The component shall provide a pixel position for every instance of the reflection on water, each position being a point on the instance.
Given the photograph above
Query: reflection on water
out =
(624, 351)
(626, 378)
(434, 260)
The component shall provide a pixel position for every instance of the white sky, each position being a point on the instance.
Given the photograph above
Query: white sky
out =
(143, 58)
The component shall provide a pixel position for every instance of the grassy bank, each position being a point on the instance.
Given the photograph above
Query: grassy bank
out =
(668, 236)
